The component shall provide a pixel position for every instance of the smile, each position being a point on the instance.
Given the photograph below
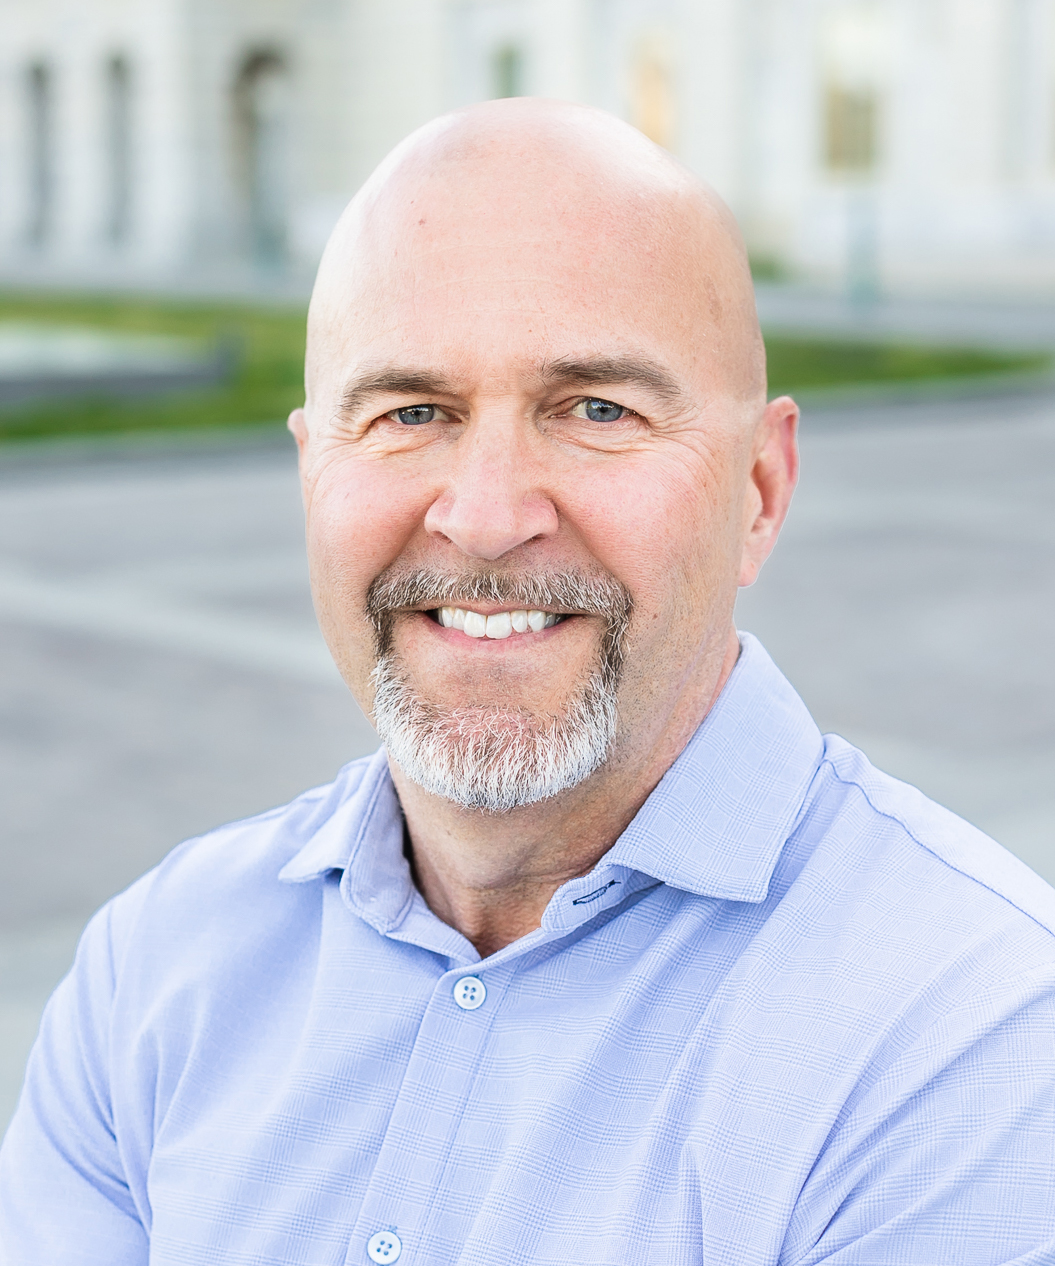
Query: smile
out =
(500, 625)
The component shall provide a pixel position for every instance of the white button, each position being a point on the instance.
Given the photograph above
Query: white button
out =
(385, 1246)
(469, 993)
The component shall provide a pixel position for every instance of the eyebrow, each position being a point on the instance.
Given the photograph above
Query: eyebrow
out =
(599, 371)
(393, 381)
(591, 371)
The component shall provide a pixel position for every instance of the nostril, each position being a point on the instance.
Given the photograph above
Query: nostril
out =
(489, 527)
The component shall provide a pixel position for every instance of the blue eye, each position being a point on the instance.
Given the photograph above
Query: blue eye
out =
(603, 410)
(416, 414)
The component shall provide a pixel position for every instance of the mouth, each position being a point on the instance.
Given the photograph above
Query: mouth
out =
(496, 625)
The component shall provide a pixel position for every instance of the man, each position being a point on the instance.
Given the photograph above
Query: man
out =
(610, 957)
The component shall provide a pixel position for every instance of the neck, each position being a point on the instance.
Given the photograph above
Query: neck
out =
(491, 875)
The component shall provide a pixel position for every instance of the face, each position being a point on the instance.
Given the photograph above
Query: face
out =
(528, 485)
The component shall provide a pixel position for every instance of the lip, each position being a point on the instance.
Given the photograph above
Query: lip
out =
(483, 608)
(518, 643)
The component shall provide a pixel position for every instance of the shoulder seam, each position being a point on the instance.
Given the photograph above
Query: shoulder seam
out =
(892, 817)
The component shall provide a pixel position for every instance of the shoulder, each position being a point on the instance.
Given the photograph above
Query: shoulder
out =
(905, 903)
(891, 909)
(215, 883)
(897, 938)
(918, 839)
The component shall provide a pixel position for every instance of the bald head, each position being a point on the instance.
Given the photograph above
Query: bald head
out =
(543, 198)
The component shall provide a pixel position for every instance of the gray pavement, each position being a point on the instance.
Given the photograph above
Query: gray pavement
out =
(161, 670)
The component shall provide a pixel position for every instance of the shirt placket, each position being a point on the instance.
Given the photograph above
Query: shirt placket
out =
(394, 1218)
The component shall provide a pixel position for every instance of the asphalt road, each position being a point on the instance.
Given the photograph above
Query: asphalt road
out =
(161, 671)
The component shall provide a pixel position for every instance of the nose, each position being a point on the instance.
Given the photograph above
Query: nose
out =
(492, 501)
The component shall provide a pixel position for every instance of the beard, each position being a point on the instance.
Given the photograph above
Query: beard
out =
(488, 756)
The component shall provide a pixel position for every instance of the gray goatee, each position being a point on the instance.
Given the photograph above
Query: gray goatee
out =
(490, 757)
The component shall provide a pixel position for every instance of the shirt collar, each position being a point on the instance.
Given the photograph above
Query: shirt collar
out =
(336, 841)
(718, 819)
(364, 839)
(715, 824)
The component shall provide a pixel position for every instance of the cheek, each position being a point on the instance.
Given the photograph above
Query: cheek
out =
(359, 517)
(661, 527)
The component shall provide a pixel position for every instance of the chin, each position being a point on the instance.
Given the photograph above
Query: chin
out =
(495, 758)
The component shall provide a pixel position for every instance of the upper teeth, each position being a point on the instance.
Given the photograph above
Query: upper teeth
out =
(473, 624)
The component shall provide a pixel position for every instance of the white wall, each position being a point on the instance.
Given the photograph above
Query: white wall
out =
(76, 40)
(962, 195)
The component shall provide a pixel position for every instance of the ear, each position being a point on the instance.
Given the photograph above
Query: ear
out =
(774, 473)
(298, 426)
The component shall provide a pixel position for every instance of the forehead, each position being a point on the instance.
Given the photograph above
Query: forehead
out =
(503, 282)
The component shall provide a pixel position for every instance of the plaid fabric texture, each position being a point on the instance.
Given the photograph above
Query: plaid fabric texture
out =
(797, 1014)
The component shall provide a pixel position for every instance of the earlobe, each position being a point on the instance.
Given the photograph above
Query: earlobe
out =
(749, 568)
(773, 478)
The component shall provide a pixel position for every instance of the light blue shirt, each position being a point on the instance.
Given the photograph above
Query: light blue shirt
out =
(797, 1014)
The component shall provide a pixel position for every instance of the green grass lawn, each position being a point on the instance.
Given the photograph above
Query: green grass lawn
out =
(799, 364)
(267, 382)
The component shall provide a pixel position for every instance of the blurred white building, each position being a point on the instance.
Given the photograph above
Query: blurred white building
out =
(908, 144)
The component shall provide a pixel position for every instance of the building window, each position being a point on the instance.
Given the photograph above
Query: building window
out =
(508, 72)
(40, 108)
(856, 55)
(118, 149)
(261, 101)
(653, 108)
(851, 116)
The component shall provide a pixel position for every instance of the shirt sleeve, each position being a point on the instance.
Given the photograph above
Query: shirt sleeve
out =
(935, 1165)
(64, 1193)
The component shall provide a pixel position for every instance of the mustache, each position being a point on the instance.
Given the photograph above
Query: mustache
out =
(568, 591)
